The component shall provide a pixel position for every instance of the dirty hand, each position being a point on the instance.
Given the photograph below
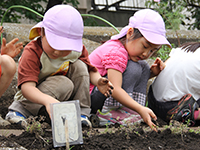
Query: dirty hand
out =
(147, 114)
(157, 66)
(105, 86)
(12, 49)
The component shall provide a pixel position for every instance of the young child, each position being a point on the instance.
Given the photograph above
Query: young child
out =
(121, 60)
(7, 64)
(180, 77)
(55, 67)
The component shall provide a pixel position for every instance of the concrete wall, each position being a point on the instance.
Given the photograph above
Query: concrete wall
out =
(93, 36)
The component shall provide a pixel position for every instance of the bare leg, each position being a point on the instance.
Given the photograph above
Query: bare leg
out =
(8, 69)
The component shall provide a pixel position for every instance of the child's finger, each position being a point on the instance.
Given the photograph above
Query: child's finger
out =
(156, 61)
(153, 115)
(111, 86)
(110, 92)
(1, 29)
(105, 80)
(14, 40)
(3, 42)
(153, 127)
(19, 45)
(154, 65)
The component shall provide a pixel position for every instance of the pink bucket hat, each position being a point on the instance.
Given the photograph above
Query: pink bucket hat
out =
(63, 27)
(150, 24)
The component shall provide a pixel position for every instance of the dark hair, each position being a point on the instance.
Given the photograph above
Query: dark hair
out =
(135, 35)
(190, 46)
(42, 31)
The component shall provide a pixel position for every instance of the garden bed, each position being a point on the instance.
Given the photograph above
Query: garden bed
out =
(115, 137)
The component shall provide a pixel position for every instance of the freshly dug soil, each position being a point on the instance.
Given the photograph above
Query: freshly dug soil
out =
(112, 138)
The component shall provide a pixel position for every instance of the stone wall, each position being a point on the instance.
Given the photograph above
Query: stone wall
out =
(94, 36)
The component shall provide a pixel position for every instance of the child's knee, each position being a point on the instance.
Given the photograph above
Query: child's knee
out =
(65, 84)
(58, 86)
(8, 65)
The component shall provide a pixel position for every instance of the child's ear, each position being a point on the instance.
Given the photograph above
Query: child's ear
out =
(39, 30)
(129, 33)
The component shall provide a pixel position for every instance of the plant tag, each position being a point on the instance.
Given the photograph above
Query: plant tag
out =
(70, 111)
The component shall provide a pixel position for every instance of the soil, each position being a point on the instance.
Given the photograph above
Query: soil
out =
(114, 137)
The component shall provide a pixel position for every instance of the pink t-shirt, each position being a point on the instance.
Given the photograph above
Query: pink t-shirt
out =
(110, 55)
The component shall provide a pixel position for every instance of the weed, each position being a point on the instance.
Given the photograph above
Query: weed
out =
(107, 127)
(34, 126)
(71, 147)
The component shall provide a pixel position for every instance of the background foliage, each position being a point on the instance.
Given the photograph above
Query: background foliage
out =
(14, 15)
(175, 12)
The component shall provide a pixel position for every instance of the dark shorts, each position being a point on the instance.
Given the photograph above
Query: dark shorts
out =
(161, 108)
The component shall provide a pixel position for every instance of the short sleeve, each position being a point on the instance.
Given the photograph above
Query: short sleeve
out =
(29, 63)
(115, 60)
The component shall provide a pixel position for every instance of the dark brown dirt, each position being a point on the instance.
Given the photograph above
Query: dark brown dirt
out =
(115, 138)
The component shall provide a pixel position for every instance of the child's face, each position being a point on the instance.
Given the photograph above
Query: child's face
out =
(53, 53)
(140, 49)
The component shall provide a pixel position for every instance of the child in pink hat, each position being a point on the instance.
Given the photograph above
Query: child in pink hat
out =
(122, 61)
(55, 67)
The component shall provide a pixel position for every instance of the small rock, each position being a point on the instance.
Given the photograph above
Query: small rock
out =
(4, 122)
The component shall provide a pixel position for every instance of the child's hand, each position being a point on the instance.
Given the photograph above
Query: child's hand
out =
(157, 66)
(105, 86)
(12, 49)
(147, 114)
(1, 30)
(48, 105)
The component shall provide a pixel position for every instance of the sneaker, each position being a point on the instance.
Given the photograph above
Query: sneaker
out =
(184, 110)
(94, 119)
(85, 122)
(119, 116)
(15, 117)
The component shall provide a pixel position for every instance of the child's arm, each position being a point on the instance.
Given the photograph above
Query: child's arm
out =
(103, 84)
(33, 94)
(157, 67)
(12, 49)
(115, 77)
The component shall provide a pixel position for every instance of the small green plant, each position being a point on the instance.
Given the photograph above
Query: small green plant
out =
(107, 127)
(191, 130)
(34, 126)
(121, 126)
(136, 132)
